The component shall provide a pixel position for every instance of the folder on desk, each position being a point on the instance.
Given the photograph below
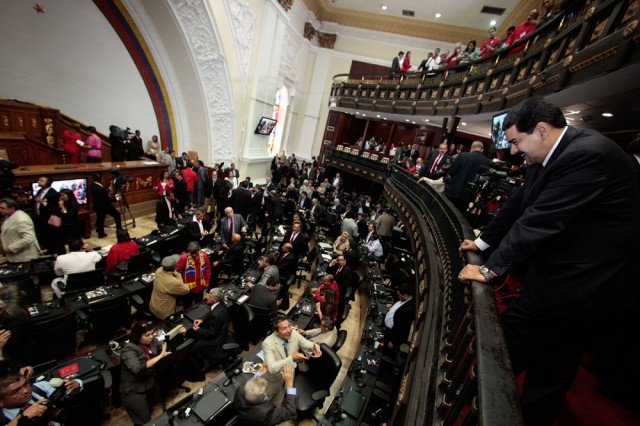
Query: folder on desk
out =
(353, 403)
(210, 404)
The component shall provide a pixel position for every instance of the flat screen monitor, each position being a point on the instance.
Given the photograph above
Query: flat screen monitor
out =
(78, 186)
(265, 126)
(498, 136)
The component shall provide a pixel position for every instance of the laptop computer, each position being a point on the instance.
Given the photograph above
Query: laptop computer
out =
(210, 404)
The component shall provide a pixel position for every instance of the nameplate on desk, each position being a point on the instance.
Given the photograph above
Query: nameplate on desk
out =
(38, 310)
(97, 294)
(148, 278)
(307, 309)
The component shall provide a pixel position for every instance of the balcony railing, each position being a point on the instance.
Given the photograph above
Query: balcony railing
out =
(579, 44)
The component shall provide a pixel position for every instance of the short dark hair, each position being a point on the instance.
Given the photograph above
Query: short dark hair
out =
(122, 235)
(279, 319)
(138, 329)
(75, 244)
(406, 289)
(8, 379)
(528, 113)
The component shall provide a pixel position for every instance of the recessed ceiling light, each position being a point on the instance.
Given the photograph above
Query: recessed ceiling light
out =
(407, 119)
(358, 112)
(607, 114)
(464, 124)
(493, 23)
(378, 116)
(364, 115)
(384, 118)
(384, 7)
(438, 15)
(413, 122)
(426, 119)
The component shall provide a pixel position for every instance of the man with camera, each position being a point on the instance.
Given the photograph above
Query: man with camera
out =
(23, 403)
(464, 169)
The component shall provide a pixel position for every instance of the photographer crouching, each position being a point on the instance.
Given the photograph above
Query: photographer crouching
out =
(25, 404)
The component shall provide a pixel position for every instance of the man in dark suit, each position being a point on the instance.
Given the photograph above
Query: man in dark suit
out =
(275, 209)
(574, 225)
(198, 228)
(317, 211)
(266, 296)
(46, 204)
(166, 210)
(304, 202)
(253, 408)
(240, 199)
(395, 64)
(232, 260)
(286, 261)
(341, 273)
(436, 162)
(230, 224)
(464, 169)
(102, 204)
(398, 319)
(211, 332)
(297, 239)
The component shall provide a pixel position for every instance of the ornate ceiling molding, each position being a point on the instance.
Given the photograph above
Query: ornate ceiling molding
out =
(197, 27)
(242, 20)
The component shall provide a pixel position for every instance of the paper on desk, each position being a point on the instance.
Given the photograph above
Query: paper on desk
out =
(79, 142)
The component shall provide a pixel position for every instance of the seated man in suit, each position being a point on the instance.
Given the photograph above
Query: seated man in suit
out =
(269, 269)
(317, 211)
(286, 261)
(327, 333)
(79, 259)
(212, 333)
(284, 347)
(199, 227)
(265, 296)
(374, 247)
(254, 408)
(166, 210)
(341, 272)
(231, 262)
(230, 224)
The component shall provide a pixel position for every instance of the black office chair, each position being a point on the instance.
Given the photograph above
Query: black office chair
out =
(106, 319)
(84, 281)
(356, 280)
(285, 284)
(137, 264)
(27, 286)
(344, 314)
(88, 407)
(241, 317)
(55, 338)
(173, 369)
(306, 264)
(261, 324)
(340, 340)
(313, 386)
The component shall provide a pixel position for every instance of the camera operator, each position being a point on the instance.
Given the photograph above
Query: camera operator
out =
(26, 404)
(464, 169)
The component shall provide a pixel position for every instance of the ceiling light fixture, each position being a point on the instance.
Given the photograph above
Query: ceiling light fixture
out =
(493, 23)
(607, 114)
(426, 119)
(378, 116)
(384, 7)
(438, 15)
(464, 124)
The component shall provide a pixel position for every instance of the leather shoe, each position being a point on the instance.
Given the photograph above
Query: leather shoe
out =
(102, 235)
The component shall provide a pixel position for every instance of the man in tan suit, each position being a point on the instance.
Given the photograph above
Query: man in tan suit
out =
(19, 242)
(167, 286)
(384, 225)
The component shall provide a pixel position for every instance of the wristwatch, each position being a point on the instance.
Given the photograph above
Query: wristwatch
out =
(487, 273)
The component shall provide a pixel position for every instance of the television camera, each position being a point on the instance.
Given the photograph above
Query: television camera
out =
(492, 186)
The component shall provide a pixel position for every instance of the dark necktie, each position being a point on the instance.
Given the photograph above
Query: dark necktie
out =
(230, 228)
(293, 237)
(285, 346)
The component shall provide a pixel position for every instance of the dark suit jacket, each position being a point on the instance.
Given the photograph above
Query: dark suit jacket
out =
(262, 297)
(255, 203)
(193, 230)
(264, 414)
(464, 169)
(343, 278)
(306, 204)
(275, 207)
(300, 244)
(212, 333)
(395, 66)
(425, 171)
(52, 197)
(238, 223)
(233, 257)
(402, 320)
(239, 202)
(162, 212)
(576, 227)
(100, 197)
(287, 266)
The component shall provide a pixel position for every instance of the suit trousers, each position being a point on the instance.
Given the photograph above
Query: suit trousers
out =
(549, 349)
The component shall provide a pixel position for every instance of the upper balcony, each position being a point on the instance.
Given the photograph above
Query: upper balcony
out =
(579, 45)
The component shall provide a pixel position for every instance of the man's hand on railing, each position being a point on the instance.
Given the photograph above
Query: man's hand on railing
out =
(468, 245)
(471, 273)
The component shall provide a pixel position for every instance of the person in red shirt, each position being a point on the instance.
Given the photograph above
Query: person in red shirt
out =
(164, 184)
(490, 45)
(71, 147)
(327, 282)
(406, 64)
(522, 30)
(122, 250)
(190, 177)
(195, 268)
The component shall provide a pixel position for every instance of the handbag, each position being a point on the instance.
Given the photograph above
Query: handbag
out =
(55, 221)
